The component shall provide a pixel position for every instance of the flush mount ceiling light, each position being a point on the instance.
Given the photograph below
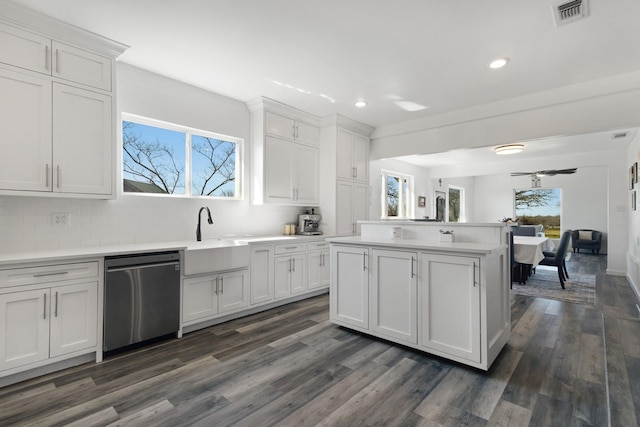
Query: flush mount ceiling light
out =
(499, 63)
(360, 104)
(508, 149)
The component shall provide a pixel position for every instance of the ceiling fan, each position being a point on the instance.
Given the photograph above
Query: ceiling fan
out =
(550, 172)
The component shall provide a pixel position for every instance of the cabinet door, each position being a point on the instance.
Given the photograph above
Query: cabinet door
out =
(234, 290)
(360, 205)
(298, 273)
(278, 172)
(344, 155)
(24, 330)
(393, 294)
(361, 158)
(306, 134)
(82, 149)
(262, 274)
(318, 270)
(345, 225)
(449, 305)
(350, 285)
(278, 125)
(199, 298)
(307, 173)
(74, 318)
(282, 272)
(80, 66)
(25, 50)
(25, 129)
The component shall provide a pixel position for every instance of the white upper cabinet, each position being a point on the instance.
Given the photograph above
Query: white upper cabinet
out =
(81, 130)
(286, 157)
(25, 127)
(33, 52)
(352, 156)
(57, 110)
(292, 129)
(80, 66)
(24, 49)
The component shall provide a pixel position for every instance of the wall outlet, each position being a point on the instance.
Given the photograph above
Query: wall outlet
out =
(61, 219)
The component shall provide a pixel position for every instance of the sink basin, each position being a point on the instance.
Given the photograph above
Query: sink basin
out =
(215, 255)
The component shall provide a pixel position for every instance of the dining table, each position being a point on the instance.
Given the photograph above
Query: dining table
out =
(529, 251)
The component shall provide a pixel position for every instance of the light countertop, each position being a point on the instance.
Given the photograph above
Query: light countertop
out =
(133, 248)
(484, 248)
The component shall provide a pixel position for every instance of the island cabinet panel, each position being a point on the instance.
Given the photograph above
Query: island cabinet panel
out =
(350, 286)
(393, 299)
(450, 300)
(450, 305)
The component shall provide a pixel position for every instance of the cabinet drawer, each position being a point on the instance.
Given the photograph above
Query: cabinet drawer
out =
(47, 274)
(287, 248)
(319, 245)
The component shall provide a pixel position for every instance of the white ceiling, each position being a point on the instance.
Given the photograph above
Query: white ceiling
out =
(428, 52)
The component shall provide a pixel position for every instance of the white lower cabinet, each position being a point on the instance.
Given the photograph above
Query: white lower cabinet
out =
(393, 294)
(450, 305)
(48, 322)
(318, 269)
(350, 285)
(262, 277)
(290, 276)
(455, 305)
(204, 297)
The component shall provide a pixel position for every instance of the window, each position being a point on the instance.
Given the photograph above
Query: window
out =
(539, 206)
(397, 195)
(163, 158)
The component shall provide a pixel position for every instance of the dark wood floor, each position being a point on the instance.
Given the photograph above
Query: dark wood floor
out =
(291, 367)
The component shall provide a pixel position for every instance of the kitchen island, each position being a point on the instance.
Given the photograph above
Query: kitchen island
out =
(450, 299)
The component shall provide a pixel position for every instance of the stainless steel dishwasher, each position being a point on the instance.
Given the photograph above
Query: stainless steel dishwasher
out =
(142, 297)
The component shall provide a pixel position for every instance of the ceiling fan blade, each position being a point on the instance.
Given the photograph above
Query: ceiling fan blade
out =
(522, 173)
(558, 172)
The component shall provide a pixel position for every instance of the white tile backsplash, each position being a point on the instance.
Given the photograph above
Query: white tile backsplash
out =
(25, 222)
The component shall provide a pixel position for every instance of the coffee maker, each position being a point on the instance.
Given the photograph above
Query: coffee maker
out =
(308, 224)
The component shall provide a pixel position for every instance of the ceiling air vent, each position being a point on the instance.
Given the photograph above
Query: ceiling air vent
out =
(570, 11)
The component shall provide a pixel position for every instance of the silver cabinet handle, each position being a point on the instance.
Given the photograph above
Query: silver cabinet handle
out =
(294, 265)
(56, 309)
(46, 177)
(58, 176)
(46, 58)
(474, 275)
(289, 265)
(222, 285)
(356, 169)
(44, 311)
(57, 61)
(55, 273)
(353, 172)
(293, 129)
(290, 247)
(296, 135)
(364, 261)
(321, 260)
(216, 286)
(413, 274)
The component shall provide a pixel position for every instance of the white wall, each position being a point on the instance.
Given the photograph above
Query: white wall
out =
(633, 241)
(422, 186)
(25, 222)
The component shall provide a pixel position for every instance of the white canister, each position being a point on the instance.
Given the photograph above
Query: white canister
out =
(396, 232)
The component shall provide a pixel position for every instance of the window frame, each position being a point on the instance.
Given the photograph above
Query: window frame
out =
(385, 174)
(188, 180)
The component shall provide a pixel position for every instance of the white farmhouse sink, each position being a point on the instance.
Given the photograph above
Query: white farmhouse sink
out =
(215, 255)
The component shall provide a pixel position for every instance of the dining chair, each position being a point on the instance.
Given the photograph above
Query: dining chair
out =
(556, 259)
(514, 264)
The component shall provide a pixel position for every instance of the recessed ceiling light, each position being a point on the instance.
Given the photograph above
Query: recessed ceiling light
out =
(499, 63)
(360, 104)
(509, 149)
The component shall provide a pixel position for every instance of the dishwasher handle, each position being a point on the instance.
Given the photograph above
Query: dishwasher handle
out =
(130, 267)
